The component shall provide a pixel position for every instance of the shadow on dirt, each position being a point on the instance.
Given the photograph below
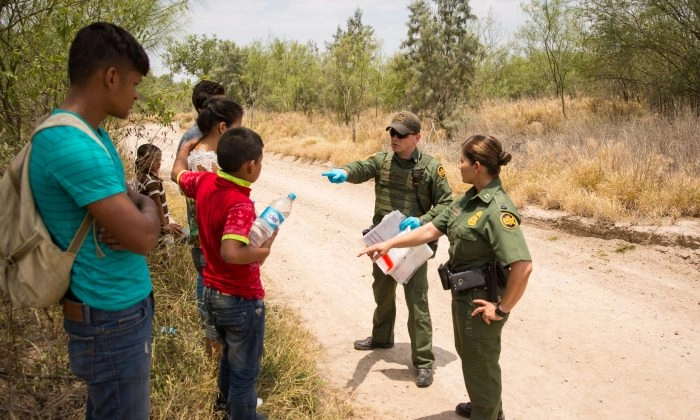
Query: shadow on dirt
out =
(447, 414)
(399, 354)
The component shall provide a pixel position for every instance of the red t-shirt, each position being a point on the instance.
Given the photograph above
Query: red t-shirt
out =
(224, 212)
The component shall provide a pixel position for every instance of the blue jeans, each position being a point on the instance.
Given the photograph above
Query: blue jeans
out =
(111, 351)
(240, 325)
(199, 263)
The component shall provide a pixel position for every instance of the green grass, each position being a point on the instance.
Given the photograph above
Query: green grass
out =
(623, 247)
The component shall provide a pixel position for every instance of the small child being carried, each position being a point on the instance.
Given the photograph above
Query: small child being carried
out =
(148, 183)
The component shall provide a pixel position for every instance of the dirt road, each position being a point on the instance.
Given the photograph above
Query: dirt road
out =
(599, 333)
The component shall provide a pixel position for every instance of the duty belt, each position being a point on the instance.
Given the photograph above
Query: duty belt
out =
(466, 280)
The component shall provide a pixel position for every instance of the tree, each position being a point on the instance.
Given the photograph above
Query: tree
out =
(194, 55)
(551, 38)
(35, 37)
(348, 69)
(490, 71)
(255, 82)
(295, 75)
(228, 61)
(649, 48)
(441, 53)
(394, 78)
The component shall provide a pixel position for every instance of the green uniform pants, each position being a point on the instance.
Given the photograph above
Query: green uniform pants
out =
(420, 328)
(479, 347)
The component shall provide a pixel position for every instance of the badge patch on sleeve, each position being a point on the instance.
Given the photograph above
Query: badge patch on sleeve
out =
(508, 220)
(475, 218)
(441, 172)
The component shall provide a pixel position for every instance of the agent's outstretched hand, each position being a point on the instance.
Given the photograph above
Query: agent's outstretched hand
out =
(336, 176)
(410, 222)
(375, 251)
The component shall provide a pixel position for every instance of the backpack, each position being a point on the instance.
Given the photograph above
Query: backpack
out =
(34, 271)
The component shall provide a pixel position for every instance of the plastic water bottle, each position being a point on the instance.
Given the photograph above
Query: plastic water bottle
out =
(168, 330)
(270, 219)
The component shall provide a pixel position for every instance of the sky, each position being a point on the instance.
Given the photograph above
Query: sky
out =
(244, 21)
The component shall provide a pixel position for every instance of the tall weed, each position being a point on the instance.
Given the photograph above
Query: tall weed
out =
(608, 159)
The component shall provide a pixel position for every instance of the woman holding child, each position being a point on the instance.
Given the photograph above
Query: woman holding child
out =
(483, 227)
(233, 289)
(216, 117)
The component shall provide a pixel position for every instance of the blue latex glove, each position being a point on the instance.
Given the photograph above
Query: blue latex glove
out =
(410, 222)
(336, 176)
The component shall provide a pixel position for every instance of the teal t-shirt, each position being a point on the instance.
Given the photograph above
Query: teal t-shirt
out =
(67, 171)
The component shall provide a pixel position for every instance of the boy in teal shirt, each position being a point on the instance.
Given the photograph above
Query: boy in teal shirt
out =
(108, 310)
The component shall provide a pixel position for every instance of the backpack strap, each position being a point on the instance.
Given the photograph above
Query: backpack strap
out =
(80, 235)
(67, 119)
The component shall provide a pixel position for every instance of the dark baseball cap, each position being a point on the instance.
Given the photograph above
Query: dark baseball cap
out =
(405, 122)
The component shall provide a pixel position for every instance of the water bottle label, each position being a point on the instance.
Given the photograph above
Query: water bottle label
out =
(272, 217)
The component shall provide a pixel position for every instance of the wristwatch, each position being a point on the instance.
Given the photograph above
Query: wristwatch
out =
(500, 312)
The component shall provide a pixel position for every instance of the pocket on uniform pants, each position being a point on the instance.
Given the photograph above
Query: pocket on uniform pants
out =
(474, 326)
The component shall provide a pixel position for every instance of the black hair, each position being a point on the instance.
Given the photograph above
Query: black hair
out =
(100, 45)
(204, 90)
(143, 156)
(237, 146)
(218, 110)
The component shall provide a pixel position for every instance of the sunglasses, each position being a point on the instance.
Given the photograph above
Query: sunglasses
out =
(394, 133)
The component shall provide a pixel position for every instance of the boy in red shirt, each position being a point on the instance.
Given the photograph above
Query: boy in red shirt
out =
(233, 292)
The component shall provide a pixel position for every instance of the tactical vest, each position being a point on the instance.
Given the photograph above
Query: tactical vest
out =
(395, 189)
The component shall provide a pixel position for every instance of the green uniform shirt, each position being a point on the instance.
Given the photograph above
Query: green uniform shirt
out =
(482, 228)
(395, 188)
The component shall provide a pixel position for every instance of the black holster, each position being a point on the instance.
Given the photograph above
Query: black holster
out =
(491, 282)
(433, 245)
(502, 273)
(444, 273)
(490, 277)
(460, 282)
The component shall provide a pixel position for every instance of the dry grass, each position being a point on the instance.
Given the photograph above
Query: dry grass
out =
(608, 159)
(317, 137)
(184, 378)
(36, 383)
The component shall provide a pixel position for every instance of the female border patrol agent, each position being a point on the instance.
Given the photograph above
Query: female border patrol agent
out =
(483, 227)
(414, 183)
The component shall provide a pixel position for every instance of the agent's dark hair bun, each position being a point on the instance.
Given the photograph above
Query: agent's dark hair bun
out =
(504, 157)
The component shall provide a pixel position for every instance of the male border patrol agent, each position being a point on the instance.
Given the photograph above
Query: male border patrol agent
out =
(414, 183)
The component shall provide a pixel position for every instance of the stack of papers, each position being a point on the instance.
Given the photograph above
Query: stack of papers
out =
(399, 263)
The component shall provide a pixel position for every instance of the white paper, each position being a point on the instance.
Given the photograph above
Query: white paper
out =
(399, 263)
(386, 229)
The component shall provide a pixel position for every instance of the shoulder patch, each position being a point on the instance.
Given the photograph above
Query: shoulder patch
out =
(508, 220)
(441, 171)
